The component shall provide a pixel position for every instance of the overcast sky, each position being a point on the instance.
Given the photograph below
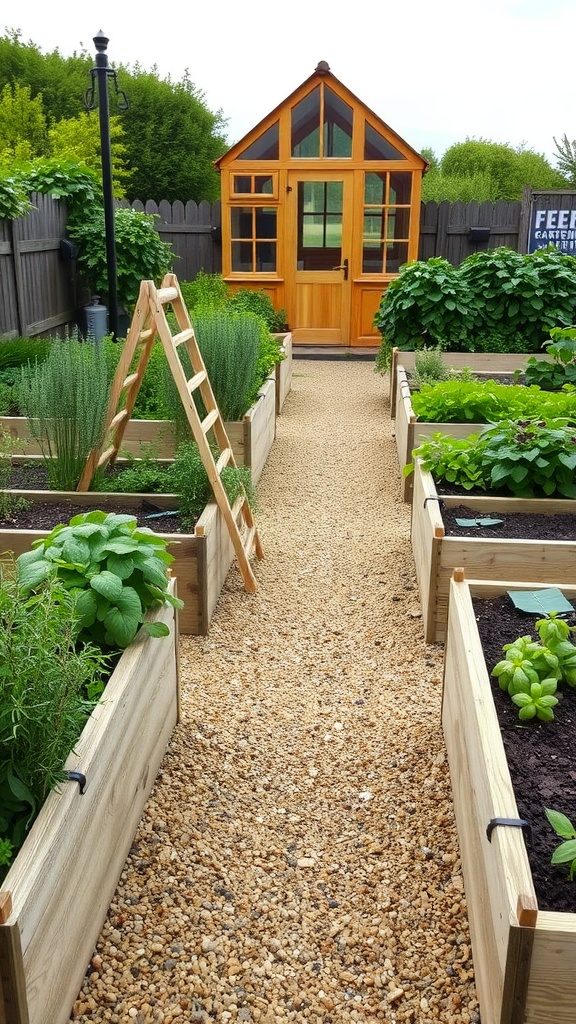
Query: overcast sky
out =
(436, 71)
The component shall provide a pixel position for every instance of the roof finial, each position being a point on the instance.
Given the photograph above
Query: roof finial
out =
(323, 68)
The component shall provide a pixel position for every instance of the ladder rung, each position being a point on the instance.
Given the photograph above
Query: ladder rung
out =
(165, 295)
(223, 460)
(130, 379)
(144, 335)
(209, 421)
(186, 335)
(196, 380)
(248, 541)
(119, 417)
(105, 456)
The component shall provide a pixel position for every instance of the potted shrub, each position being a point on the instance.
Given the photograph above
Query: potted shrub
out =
(495, 473)
(523, 955)
(44, 947)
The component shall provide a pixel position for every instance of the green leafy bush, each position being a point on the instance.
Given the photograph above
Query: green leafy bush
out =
(247, 300)
(141, 254)
(427, 304)
(524, 458)
(475, 401)
(205, 290)
(115, 570)
(494, 301)
(560, 369)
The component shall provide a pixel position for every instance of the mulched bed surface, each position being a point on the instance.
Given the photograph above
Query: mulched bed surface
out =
(519, 526)
(540, 754)
(41, 516)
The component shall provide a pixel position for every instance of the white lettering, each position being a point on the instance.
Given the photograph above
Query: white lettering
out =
(563, 218)
(540, 218)
(552, 219)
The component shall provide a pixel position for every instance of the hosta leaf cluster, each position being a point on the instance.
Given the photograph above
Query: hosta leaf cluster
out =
(114, 569)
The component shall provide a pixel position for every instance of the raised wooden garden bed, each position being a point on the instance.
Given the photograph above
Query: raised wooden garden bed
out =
(283, 371)
(56, 895)
(436, 555)
(523, 957)
(251, 438)
(485, 363)
(201, 559)
(410, 431)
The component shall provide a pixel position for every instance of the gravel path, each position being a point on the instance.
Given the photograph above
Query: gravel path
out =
(297, 859)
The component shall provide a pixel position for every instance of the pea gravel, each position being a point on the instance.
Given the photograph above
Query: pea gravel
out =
(297, 859)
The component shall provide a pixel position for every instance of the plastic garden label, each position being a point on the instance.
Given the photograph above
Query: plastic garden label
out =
(542, 602)
(479, 522)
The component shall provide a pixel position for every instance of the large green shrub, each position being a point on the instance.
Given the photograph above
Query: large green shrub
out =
(427, 304)
(495, 301)
(141, 254)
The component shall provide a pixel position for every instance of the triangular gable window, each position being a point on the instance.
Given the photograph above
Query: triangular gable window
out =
(376, 147)
(322, 107)
(266, 147)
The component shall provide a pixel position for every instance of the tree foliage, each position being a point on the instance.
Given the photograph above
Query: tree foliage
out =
(480, 170)
(170, 136)
(23, 131)
(566, 157)
(172, 139)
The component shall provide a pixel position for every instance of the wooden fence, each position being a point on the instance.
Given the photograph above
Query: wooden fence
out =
(39, 291)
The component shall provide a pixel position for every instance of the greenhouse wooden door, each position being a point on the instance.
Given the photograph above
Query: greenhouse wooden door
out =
(318, 279)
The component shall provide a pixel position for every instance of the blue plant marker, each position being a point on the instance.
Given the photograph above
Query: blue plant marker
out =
(542, 602)
(485, 521)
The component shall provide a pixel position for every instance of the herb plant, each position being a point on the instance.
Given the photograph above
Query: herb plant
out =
(531, 670)
(66, 398)
(566, 852)
(114, 569)
(230, 345)
(49, 683)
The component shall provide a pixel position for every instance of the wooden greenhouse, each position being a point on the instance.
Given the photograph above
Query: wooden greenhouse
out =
(320, 209)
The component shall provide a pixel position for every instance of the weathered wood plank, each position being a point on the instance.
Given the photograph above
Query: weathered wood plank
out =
(523, 971)
(60, 890)
(436, 555)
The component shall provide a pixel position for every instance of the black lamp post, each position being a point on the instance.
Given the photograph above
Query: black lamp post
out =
(99, 76)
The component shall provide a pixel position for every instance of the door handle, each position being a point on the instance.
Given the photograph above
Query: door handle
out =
(343, 266)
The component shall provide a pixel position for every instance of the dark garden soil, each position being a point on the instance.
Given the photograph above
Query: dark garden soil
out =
(44, 516)
(540, 755)
(519, 526)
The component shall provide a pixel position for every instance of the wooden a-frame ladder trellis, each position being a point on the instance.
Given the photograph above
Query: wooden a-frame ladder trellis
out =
(148, 323)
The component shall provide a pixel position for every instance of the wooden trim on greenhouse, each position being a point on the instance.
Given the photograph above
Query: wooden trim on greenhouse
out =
(320, 208)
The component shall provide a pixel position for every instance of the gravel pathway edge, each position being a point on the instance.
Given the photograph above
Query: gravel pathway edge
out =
(297, 859)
